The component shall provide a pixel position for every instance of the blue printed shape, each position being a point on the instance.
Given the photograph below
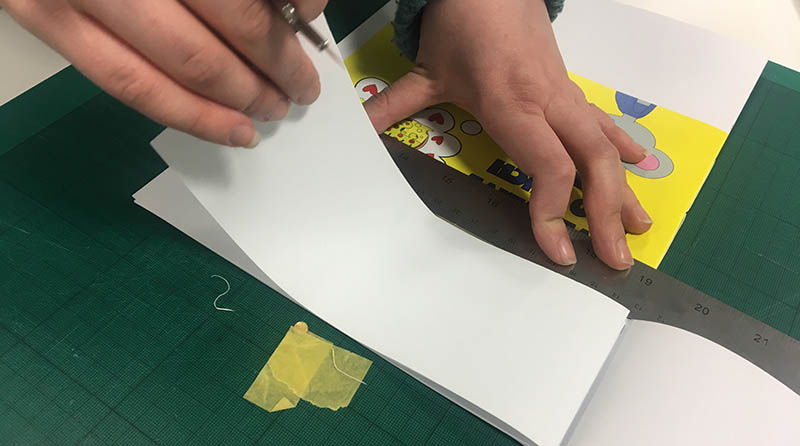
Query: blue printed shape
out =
(631, 106)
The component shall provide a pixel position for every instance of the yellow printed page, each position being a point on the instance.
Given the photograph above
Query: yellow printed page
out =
(666, 183)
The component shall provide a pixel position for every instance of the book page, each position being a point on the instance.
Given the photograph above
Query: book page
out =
(321, 208)
(667, 386)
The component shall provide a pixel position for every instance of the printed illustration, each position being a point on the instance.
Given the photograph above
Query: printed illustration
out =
(666, 183)
(426, 131)
(658, 164)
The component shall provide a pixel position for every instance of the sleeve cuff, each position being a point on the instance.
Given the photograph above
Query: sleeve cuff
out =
(409, 15)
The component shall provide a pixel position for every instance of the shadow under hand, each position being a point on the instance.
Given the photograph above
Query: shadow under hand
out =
(269, 129)
(211, 167)
(297, 112)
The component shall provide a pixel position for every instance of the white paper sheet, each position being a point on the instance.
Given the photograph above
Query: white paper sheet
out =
(321, 208)
(665, 386)
(669, 63)
(167, 197)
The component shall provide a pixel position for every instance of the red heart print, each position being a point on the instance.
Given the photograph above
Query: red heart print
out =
(438, 139)
(371, 89)
(437, 117)
(430, 155)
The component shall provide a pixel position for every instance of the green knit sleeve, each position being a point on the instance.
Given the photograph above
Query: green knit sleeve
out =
(407, 21)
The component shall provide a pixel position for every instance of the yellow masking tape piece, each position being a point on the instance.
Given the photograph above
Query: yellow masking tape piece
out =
(334, 387)
(298, 358)
(305, 366)
(270, 394)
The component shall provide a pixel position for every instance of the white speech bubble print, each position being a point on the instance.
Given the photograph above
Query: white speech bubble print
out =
(369, 87)
(440, 120)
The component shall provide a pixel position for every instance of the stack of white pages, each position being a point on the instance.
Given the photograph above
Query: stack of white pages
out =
(320, 213)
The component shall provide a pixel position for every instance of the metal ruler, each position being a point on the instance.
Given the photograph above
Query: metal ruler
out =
(502, 219)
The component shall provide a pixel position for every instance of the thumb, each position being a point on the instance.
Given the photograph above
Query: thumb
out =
(406, 96)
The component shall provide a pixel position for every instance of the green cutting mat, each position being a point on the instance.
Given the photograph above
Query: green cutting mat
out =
(108, 333)
(108, 336)
(741, 240)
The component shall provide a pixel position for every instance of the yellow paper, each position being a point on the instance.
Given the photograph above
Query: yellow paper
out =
(303, 367)
(684, 148)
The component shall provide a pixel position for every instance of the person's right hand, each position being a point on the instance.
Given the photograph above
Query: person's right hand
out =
(200, 66)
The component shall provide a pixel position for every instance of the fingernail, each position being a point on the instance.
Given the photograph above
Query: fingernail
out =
(244, 136)
(647, 153)
(567, 253)
(623, 253)
(643, 216)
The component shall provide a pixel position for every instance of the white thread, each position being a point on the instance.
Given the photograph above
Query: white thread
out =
(333, 357)
(226, 292)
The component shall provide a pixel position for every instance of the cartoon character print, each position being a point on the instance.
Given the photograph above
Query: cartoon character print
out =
(658, 164)
(426, 131)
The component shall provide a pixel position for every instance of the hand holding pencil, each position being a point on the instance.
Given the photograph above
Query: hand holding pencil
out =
(205, 67)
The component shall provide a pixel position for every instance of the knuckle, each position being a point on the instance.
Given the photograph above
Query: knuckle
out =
(602, 117)
(606, 213)
(196, 123)
(603, 151)
(578, 95)
(201, 68)
(563, 171)
(129, 87)
(256, 21)
(529, 103)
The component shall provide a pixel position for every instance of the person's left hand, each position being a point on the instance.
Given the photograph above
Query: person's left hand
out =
(502, 64)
